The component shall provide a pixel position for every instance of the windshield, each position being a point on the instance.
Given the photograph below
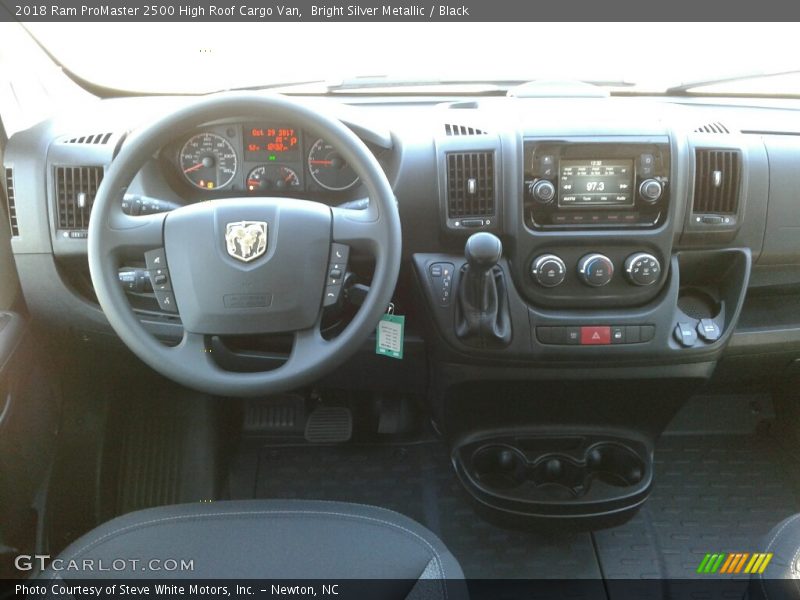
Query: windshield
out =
(639, 57)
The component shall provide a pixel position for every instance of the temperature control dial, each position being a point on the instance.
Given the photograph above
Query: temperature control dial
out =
(642, 269)
(595, 270)
(548, 270)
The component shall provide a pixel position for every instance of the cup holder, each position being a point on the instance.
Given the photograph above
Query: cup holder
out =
(499, 467)
(553, 476)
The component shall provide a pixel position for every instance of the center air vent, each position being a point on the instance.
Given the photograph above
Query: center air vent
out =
(76, 188)
(451, 129)
(12, 203)
(470, 184)
(717, 181)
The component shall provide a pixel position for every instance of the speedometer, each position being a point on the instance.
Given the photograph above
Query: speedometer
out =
(328, 168)
(208, 161)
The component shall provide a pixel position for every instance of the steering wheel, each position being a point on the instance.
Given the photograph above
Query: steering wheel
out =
(245, 265)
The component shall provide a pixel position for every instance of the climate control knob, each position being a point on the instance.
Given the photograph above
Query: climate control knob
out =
(543, 191)
(650, 190)
(548, 270)
(642, 269)
(595, 270)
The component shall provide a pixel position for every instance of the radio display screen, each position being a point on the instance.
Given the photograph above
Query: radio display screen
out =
(595, 183)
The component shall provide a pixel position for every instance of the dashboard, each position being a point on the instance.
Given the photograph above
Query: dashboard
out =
(642, 237)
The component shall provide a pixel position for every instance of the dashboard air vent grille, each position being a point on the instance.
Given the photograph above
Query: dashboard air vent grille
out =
(451, 129)
(76, 188)
(94, 138)
(12, 203)
(715, 127)
(470, 184)
(717, 181)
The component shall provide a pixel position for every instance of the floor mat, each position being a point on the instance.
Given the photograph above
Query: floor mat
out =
(418, 481)
(711, 494)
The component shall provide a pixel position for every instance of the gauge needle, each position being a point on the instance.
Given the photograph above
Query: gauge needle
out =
(321, 162)
(194, 168)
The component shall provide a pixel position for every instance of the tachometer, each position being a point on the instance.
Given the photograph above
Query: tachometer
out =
(208, 161)
(328, 168)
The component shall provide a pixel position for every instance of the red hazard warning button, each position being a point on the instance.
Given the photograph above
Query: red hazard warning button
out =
(595, 335)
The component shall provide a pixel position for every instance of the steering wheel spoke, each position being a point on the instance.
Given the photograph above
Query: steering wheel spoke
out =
(360, 229)
(129, 235)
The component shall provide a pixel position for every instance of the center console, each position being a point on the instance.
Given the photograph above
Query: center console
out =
(590, 290)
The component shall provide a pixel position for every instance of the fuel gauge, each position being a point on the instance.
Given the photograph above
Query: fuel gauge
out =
(272, 177)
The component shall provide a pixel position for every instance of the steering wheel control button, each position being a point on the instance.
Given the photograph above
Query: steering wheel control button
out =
(596, 270)
(155, 259)
(685, 334)
(595, 336)
(166, 301)
(441, 276)
(336, 272)
(159, 279)
(548, 270)
(708, 330)
(642, 269)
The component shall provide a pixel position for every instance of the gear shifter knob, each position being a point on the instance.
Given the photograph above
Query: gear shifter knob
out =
(483, 251)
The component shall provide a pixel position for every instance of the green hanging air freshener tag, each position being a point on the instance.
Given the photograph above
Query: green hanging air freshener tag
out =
(389, 336)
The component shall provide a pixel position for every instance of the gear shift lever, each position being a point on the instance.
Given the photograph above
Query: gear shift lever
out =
(482, 316)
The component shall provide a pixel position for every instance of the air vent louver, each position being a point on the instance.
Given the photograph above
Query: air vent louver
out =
(12, 203)
(715, 127)
(451, 129)
(94, 138)
(717, 180)
(470, 184)
(76, 188)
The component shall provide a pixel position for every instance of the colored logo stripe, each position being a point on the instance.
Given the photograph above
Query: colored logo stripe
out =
(734, 563)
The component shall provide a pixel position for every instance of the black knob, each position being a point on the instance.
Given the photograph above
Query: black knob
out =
(543, 191)
(642, 269)
(650, 190)
(595, 270)
(483, 250)
(548, 270)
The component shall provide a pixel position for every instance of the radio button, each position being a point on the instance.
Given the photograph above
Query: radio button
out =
(543, 191)
(650, 190)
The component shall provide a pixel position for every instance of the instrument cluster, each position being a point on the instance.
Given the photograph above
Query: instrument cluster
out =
(257, 159)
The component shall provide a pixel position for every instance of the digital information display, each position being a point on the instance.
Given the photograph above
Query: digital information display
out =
(263, 143)
(595, 183)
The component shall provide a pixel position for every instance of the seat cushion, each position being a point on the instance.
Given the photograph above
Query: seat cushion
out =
(781, 579)
(261, 539)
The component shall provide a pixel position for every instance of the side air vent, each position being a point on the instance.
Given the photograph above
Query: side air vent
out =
(451, 129)
(715, 127)
(717, 181)
(76, 188)
(94, 138)
(470, 184)
(12, 203)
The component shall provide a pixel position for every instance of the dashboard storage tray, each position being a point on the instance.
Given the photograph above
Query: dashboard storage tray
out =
(587, 481)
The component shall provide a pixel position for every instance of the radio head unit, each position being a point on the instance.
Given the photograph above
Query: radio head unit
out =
(608, 185)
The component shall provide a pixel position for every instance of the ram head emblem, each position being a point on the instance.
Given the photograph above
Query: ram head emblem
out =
(246, 240)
